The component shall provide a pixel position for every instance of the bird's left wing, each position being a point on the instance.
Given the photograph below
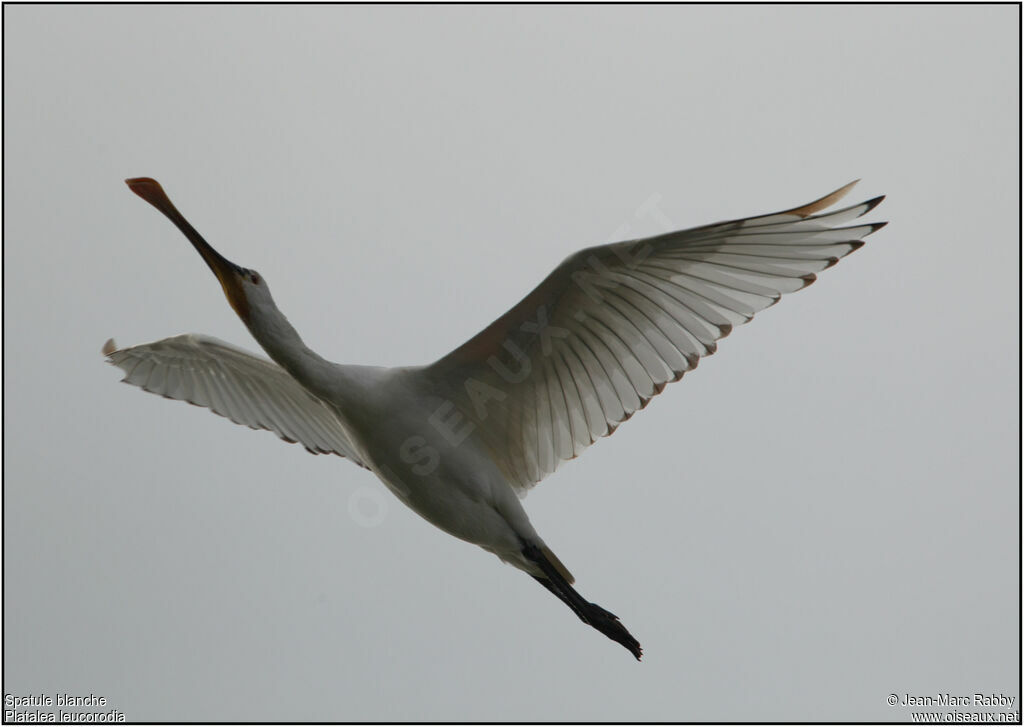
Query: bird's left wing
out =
(246, 389)
(613, 324)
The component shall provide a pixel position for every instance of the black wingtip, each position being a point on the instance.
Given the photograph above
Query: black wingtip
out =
(871, 204)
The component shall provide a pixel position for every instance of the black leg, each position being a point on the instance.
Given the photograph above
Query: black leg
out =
(589, 613)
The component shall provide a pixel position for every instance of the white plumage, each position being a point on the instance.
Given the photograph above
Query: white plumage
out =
(458, 440)
(246, 389)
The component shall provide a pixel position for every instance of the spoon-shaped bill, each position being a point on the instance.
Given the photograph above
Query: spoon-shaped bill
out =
(226, 271)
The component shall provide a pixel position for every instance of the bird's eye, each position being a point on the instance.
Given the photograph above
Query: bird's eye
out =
(254, 277)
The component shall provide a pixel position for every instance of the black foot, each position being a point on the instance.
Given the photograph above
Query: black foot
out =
(609, 625)
(589, 613)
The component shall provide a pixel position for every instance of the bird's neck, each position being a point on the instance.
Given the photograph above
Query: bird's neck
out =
(284, 345)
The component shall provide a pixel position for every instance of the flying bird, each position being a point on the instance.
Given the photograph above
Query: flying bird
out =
(462, 440)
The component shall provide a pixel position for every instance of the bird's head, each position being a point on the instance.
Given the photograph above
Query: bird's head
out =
(244, 288)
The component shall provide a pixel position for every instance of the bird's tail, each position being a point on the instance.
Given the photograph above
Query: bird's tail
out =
(589, 613)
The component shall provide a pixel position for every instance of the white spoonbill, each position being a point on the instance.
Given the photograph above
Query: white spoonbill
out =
(461, 440)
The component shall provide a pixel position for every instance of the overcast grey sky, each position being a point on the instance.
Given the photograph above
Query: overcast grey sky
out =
(824, 513)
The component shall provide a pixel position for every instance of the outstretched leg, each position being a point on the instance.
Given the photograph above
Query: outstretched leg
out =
(589, 613)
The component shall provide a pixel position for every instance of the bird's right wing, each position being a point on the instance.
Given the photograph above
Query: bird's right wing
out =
(613, 324)
(231, 382)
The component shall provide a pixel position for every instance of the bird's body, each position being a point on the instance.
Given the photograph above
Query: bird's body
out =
(452, 484)
(461, 440)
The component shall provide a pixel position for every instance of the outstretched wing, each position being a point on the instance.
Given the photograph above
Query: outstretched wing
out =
(613, 324)
(231, 382)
